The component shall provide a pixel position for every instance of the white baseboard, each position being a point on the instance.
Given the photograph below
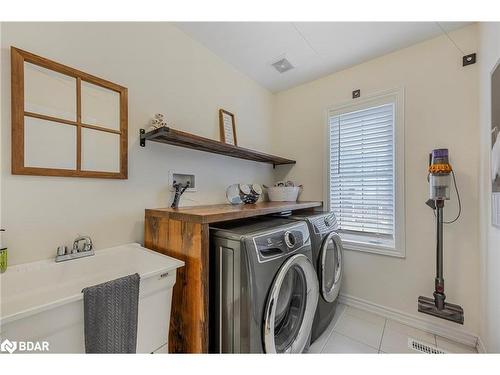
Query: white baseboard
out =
(480, 346)
(454, 334)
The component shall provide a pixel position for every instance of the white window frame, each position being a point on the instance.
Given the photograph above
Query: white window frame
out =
(364, 243)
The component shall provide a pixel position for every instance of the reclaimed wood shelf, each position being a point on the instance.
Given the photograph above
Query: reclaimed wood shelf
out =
(183, 233)
(195, 142)
(224, 212)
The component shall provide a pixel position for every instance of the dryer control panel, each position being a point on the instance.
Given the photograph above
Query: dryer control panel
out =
(324, 223)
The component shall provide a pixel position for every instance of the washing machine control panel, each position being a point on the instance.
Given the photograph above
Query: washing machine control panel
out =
(280, 242)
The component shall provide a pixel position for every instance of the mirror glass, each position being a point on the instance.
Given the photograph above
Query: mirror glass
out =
(100, 151)
(50, 93)
(100, 106)
(49, 144)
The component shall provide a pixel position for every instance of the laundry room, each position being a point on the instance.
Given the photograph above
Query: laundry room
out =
(250, 186)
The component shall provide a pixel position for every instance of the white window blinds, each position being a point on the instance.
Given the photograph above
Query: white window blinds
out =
(362, 170)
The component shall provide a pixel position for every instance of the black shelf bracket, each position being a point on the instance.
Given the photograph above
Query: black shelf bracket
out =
(142, 137)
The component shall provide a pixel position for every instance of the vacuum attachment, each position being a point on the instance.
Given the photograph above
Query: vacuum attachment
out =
(450, 311)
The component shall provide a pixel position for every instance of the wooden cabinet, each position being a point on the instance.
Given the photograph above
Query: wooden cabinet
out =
(183, 233)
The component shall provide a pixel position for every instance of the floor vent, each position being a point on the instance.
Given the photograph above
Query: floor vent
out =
(423, 347)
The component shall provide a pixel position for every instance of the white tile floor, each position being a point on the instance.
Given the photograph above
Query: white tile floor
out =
(357, 331)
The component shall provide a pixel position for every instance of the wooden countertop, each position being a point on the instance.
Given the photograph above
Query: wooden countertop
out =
(224, 212)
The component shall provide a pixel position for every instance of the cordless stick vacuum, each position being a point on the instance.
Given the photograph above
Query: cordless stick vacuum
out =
(439, 183)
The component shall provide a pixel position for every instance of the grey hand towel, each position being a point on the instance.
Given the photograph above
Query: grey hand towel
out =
(110, 315)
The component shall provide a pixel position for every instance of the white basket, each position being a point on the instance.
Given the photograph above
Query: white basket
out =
(283, 193)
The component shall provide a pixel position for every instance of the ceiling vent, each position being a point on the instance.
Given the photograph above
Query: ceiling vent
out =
(282, 65)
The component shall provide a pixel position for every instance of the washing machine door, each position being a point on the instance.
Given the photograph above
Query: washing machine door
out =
(290, 307)
(330, 267)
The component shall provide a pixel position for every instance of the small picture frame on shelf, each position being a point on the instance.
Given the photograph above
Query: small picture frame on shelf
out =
(227, 127)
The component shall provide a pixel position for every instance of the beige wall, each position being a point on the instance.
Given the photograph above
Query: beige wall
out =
(165, 71)
(489, 48)
(441, 110)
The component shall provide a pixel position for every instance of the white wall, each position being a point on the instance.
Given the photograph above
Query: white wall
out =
(165, 71)
(441, 110)
(489, 48)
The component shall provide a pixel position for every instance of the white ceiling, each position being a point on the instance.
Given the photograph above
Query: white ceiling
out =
(314, 48)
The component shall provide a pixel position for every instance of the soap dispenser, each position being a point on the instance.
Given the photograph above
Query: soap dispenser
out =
(3, 254)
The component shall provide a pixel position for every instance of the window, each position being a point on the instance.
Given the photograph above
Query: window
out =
(365, 185)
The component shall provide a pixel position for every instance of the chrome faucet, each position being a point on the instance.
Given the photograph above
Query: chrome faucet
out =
(87, 244)
(82, 247)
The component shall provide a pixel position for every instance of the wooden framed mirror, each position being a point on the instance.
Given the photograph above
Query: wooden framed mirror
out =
(66, 122)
